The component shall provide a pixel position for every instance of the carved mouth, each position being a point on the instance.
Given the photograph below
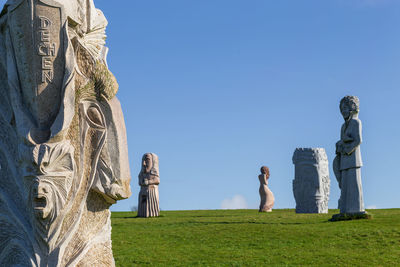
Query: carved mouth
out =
(39, 202)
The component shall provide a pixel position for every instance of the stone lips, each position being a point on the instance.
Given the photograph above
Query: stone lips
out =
(311, 184)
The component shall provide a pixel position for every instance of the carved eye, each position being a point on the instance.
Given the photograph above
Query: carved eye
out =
(95, 117)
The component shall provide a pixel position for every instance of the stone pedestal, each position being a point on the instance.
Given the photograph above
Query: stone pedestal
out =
(311, 184)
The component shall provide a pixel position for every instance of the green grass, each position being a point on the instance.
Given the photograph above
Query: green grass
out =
(249, 238)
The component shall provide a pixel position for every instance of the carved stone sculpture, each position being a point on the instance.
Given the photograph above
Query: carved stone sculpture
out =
(311, 184)
(149, 179)
(347, 163)
(63, 149)
(266, 195)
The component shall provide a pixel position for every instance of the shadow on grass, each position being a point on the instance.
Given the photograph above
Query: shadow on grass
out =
(263, 223)
(137, 217)
(209, 216)
(225, 222)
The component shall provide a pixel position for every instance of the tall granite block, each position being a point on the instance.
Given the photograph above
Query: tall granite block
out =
(311, 184)
(63, 149)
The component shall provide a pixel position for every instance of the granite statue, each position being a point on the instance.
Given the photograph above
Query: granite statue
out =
(149, 179)
(266, 195)
(63, 148)
(347, 163)
(311, 184)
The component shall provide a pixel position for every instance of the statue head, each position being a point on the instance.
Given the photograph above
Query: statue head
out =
(149, 164)
(265, 170)
(51, 179)
(349, 106)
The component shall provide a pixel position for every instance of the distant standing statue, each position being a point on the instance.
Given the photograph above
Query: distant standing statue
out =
(347, 163)
(149, 179)
(267, 197)
(311, 183)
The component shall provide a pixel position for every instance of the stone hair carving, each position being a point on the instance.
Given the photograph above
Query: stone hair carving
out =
(63, 149)
(266, 195)
(149, 179)
(347, 163)
(311, 184)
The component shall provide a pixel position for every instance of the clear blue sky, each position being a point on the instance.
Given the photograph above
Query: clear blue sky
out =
(218, 88)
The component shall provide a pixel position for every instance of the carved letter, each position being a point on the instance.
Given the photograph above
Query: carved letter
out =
(46, 63)
(41, 49)
(44, 22)
(51, 49)
(47, 76)
(44, 36)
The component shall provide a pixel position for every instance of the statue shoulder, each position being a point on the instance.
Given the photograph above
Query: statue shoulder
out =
(355, 122)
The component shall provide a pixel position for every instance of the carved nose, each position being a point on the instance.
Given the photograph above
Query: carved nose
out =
(43, 189)
(40, 189)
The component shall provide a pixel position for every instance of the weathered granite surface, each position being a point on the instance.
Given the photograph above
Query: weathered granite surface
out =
(149, 179)
(267, 197)
(63, 149)
(347, 163)
(311, 184)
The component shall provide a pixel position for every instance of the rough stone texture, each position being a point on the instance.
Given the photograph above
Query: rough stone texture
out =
(347, 163)
(63, 150)
(266, 195)
(149, 179)
(311, 184)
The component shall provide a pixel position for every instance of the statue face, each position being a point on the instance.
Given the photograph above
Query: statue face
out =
(50, 177)
(147, 163)
(42, 198)
(345, 110)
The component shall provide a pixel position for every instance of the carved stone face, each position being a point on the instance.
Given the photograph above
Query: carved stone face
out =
(345, 110)
(42, 198)
(49, 178)
(349, 106)
(147, 163)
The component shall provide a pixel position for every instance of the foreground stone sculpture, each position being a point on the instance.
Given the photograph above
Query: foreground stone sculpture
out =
(311, 184)
(347, 163)
(63, 150)
(149, 179)
(266, 195)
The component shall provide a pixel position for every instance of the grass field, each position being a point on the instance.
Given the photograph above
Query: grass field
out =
(249, 238)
